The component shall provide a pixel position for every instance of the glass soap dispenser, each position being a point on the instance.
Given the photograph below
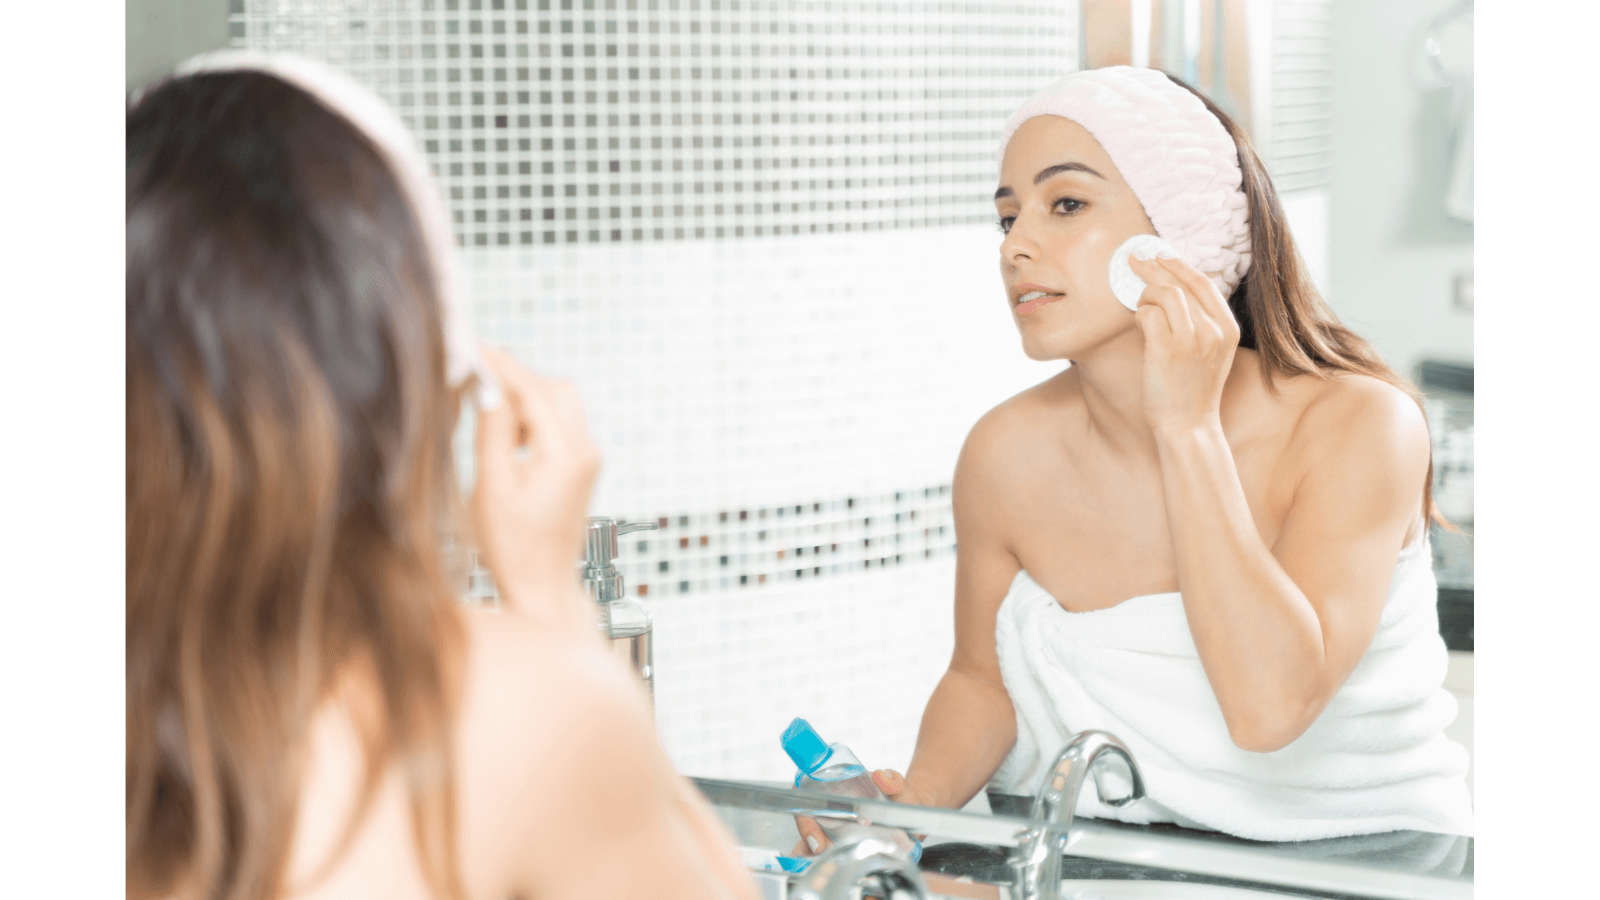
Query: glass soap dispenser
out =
(623, 620)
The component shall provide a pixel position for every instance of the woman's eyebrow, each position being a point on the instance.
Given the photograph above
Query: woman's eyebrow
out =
(1065, 167)
(1052, 171)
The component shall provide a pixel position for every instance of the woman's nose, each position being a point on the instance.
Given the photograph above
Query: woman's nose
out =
(1018, 244)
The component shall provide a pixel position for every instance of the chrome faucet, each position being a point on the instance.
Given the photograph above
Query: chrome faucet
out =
(622, 619)
(832, 875)
(1037, 862)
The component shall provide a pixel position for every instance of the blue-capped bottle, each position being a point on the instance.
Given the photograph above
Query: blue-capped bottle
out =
(832, 768)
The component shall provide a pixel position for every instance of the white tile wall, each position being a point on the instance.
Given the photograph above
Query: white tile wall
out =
(637, 120)
(790, 412)
(756, 234)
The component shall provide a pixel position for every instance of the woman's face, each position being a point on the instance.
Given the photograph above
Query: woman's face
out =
(1064, 208)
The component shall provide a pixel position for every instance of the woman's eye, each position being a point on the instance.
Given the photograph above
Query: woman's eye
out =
(1068, 205)
(1005, 224)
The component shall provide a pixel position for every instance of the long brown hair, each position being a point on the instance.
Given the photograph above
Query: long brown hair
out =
(1280, 312)
(288, 483)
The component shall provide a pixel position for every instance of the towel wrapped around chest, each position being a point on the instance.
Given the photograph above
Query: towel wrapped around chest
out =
(1375, 760)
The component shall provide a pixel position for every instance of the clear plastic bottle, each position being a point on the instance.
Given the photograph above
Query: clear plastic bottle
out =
(832, 768)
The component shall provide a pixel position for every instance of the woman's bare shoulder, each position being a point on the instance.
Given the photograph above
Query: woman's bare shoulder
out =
(516, 670)
(1347, 421)
(553, 735)
(533, 701)
(1018, 418)
(1361, 407)
(562, 773)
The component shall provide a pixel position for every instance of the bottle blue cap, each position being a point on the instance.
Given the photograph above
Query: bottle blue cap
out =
(805, 746)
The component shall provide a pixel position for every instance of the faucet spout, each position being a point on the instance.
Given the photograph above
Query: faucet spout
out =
(1037, 864)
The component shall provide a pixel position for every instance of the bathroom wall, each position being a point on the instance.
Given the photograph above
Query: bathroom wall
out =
(756, 235)
(1395, 253)
(162, 32)
(1293, 95)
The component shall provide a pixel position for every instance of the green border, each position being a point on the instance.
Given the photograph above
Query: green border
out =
(61, 650)
(1536, 755)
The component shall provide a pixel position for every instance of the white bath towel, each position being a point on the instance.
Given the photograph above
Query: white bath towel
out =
(1375, 760)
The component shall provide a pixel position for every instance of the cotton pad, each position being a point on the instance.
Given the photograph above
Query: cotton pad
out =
(1124, 284)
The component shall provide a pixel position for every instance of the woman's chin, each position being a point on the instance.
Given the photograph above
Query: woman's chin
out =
(1074, 342)
(1042, 351)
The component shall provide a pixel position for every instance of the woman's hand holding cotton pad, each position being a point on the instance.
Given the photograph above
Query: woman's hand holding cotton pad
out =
(1125, 285)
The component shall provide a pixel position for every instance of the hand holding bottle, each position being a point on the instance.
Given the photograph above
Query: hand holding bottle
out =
(896, 788)
(890, 783)
(833, 768)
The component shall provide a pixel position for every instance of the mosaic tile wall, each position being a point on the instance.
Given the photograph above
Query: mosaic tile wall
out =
(789, 411)
(558, 121)
(757, 235)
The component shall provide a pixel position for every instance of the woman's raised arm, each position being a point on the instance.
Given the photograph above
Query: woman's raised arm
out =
(1278, 629)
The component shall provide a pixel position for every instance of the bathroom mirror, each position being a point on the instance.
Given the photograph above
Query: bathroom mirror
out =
(759, 236)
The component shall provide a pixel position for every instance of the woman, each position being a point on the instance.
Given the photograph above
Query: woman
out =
(1208, 534)
(311, 714)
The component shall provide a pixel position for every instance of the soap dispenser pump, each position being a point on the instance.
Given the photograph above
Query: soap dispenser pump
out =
(623, 620)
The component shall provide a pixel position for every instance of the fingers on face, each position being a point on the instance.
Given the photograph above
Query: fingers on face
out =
(499, 429)
(1196, 311)
(1165, 305)
(547, 412)
(1207, 300)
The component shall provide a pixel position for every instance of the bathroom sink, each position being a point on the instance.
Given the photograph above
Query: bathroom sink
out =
(1091, 879)
(967, 855)
(1159, 890)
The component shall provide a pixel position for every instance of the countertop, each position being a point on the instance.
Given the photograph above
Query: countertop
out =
(1418, 853)
(974, 843)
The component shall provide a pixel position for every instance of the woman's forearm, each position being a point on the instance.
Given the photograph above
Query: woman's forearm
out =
(967, 730)
(1259, 638)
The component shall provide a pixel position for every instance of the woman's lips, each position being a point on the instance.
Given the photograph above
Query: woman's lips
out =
(1023, 309)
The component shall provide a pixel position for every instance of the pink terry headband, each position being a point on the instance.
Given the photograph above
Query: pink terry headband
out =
(372, 117)
(1177, 157)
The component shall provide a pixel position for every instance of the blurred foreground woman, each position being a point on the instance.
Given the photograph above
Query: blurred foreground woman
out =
(310, 713)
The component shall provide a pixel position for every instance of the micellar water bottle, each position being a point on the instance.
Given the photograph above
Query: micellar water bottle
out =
(834, 769)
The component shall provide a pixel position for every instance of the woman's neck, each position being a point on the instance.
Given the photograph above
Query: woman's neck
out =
(1111, 378)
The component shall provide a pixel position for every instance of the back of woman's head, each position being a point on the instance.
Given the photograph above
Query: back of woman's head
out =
(288, 478)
